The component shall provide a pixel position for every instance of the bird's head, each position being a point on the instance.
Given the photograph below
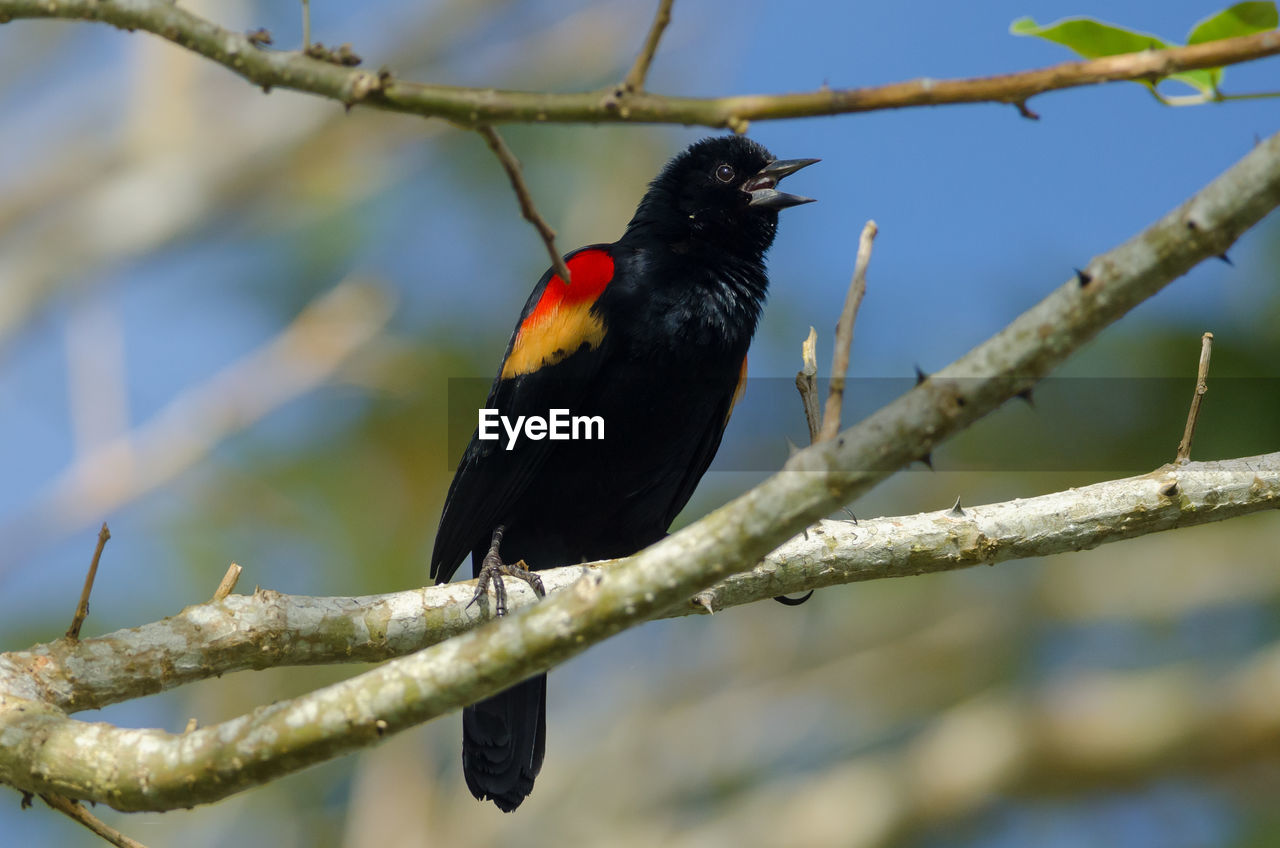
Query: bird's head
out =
(721, 190)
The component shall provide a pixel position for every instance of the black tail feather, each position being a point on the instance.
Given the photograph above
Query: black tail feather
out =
(503, 740)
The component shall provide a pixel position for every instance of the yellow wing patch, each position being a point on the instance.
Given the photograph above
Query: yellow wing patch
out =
(547, 338)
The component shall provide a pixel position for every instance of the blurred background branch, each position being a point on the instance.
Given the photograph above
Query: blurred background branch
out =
(319, 341)
(1078, 732)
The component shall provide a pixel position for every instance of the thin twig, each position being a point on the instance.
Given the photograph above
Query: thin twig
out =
(228, 583)
(530, 212)
(306, 24)
(807, 384)
(1202, 386)
(76, 811)
(82, 608)
(634, 80)
(844, 334)
(472, 106)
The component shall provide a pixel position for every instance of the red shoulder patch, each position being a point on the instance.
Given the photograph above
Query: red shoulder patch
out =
(562, 322)
(589, 271)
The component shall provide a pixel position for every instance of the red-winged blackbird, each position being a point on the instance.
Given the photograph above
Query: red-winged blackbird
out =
(651, 335)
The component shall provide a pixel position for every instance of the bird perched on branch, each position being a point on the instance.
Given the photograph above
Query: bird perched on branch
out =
(650, 336)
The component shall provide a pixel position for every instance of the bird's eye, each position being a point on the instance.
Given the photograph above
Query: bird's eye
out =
(725, 173)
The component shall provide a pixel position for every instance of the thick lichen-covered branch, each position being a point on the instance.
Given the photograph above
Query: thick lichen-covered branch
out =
(269, 629)
(42, 750)
(246, 56)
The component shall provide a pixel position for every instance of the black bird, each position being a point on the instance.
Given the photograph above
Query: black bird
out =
(650, 334)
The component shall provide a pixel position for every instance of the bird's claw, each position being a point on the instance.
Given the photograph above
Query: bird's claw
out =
(493, 569)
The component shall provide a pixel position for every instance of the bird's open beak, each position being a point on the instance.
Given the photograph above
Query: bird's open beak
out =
(763, 187)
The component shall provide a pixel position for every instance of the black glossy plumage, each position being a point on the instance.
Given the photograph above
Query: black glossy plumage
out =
(679, 312)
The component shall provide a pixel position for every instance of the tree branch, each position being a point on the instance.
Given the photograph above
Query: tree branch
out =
(268, 629)
(44, 751)
(473, 106)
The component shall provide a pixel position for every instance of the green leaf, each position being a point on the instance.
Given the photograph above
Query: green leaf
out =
(1240, 19)
(1094, 39)
(1091, 39)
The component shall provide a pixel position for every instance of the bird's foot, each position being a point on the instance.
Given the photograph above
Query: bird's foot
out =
(493, 569)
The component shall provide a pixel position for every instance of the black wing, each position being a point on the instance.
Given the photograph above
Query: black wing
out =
(552, 355)
(707, 447)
